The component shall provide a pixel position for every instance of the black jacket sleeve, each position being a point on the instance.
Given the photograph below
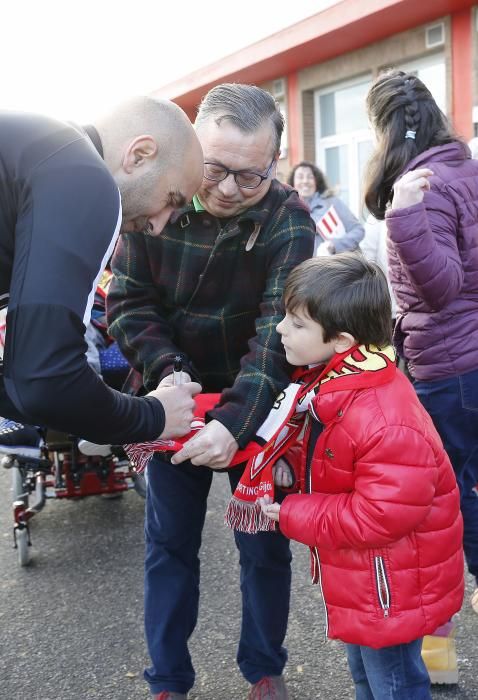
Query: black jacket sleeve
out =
(65, 234)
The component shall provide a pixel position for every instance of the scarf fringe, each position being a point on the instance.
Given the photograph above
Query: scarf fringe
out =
(247, 517)
(138, 456)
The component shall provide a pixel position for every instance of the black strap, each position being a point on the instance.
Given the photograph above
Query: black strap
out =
(94, 137)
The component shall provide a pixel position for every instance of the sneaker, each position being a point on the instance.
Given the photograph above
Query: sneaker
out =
(439, 655)
(19, 439)
(474, 600)
(92, 449)
(169, 695)
(269, 688)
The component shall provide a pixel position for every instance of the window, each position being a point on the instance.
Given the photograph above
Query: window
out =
(435, 35)
(344, 140)
(431, 71)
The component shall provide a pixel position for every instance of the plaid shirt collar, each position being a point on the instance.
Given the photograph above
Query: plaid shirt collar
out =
(258, 214)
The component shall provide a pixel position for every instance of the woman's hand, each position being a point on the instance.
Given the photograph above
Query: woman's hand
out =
(410, 188)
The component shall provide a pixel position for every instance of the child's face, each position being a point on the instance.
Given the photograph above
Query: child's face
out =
(303, 339)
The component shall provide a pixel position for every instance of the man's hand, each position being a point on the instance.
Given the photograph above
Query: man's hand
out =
(178, 404)
(410, 189)
(282, 473)
(270, 509)
(213, 446)
(168, 380)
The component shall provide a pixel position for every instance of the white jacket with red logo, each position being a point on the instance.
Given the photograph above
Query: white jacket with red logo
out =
(382, 517)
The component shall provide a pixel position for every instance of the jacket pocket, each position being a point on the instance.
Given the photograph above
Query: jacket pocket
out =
(382, 585)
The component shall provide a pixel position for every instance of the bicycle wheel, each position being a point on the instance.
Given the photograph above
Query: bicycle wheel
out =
(23, 552)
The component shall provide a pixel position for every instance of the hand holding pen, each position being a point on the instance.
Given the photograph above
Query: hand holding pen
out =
(178, 376)
(178, 370)
(176, 392)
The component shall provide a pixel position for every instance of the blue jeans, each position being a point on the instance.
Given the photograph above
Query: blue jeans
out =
(175, 511)
(453, 406)
(390, 673)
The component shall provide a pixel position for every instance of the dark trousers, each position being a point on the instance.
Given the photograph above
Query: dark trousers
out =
(175, 512)
(453, 405)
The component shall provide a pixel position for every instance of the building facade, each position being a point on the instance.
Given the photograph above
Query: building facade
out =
(320, 69)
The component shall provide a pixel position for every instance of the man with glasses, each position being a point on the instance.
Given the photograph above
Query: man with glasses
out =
(209, 288)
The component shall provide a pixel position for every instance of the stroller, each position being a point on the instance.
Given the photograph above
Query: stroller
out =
(65, 466)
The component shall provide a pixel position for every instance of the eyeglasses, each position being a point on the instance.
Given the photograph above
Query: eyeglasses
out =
(247, 179)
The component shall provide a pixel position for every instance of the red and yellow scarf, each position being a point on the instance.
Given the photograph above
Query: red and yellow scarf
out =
(360, 367)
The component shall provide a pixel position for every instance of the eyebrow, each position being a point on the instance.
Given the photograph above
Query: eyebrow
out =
(177, 199)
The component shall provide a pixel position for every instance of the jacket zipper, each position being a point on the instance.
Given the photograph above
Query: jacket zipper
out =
(317, 578)
(317, 572)
(383, 588)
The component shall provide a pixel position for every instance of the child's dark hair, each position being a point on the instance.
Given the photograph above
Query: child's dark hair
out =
(344, 293)
(407, 121)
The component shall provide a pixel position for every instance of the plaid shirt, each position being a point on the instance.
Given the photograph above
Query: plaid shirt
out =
(210, 289)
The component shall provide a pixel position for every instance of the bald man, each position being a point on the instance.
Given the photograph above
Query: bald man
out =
(66, 192)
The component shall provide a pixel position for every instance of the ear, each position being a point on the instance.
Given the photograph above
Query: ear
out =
(141, 150)
(343, 342)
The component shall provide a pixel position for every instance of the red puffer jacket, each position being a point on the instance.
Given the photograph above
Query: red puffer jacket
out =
(383, 515)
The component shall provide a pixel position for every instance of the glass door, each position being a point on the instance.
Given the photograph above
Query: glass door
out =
(344, 140)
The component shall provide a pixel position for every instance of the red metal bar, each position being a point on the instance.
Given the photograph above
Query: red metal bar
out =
(293, 117)
(461, 83)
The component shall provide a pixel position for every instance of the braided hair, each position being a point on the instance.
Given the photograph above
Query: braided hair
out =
(407, 121)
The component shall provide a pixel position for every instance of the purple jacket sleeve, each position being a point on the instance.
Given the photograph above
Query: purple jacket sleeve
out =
(425, 239)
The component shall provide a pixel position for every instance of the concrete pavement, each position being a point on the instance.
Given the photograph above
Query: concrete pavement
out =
(71, 622)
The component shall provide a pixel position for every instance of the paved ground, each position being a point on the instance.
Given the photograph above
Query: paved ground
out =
(71, 623)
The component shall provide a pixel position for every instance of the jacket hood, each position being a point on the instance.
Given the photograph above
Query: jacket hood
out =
(362, 367)
(456, 151)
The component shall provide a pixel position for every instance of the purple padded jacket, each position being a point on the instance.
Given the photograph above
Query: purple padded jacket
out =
(433, 258)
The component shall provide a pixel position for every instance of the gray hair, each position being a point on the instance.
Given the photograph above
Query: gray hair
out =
(248, 107)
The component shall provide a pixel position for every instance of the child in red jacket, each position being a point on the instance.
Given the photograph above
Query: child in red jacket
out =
(379, 505)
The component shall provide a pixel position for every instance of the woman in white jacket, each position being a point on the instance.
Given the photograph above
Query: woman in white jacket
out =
(374, 247)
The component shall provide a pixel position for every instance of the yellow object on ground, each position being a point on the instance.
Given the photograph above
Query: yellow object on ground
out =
(474, 600)
(439, 655)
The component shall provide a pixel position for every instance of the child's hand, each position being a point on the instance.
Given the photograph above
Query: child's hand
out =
(410, 189)
(268, 508)
(282, 473)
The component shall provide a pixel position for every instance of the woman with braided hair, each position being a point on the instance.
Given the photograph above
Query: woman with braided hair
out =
(422, 181)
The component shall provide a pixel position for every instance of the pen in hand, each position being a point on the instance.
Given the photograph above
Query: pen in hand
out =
(178, 371)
